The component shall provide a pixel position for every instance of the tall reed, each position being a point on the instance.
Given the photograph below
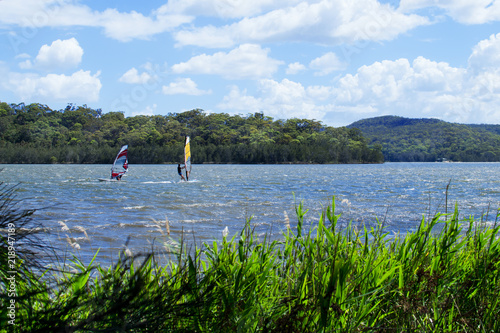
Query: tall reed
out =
(316, 278)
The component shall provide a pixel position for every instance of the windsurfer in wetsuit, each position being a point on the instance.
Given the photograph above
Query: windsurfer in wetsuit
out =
(179, 171)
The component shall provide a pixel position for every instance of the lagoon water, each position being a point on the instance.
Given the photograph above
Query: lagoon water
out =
(219, 196)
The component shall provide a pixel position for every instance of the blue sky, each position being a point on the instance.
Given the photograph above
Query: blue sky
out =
(336, 61)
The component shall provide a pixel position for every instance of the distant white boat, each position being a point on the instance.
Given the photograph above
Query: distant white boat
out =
(120, 166)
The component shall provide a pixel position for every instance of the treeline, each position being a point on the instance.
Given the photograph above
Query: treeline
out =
(35, 133)
(429, 140)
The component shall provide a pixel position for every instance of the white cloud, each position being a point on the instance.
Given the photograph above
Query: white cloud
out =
(61, 54)
(321, 21)
(327, 64)
(381, 80)
(122, 26)
(248, 61)
(295, 68)
(147, 111)
(132, 76)
(463, 11)
(208, 36)
(423, 88)
(370, 20)
(418, 88)
(224, 8)
(326, 22)
(238, 100)
(319, 93)
(486, 55)
(26, 64)
(184, 86)
(128, 26)
(285, 99)
(81, 86)
(400, 85)
(436, 76)
(23, 56)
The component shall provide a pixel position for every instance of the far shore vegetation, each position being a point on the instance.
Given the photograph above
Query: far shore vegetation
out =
(431, 140)
(328, 277)
(35, 133)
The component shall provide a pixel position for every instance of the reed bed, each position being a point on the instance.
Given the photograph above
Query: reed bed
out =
(443, 277)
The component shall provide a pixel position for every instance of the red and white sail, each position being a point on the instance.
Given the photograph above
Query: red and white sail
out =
(120, 166)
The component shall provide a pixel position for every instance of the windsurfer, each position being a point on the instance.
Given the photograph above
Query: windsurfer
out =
(179, 170)
(119, 177)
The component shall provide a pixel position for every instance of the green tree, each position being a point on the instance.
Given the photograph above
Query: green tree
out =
(79, 134)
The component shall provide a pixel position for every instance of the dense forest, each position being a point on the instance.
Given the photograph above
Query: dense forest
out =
(35, 133)
(429, 140)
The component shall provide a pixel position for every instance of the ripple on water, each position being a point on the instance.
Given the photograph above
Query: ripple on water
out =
(227, 195)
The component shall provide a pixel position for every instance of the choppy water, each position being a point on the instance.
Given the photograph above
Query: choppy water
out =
(222, 196)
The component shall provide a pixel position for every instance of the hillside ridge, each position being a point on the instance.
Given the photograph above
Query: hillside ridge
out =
(429, 139)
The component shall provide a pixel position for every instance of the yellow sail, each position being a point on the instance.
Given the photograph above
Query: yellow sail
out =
(187, 157)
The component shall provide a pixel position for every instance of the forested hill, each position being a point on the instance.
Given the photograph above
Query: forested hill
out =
(412, 140)
(78, 134)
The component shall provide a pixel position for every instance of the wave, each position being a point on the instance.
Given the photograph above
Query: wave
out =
(135, 207)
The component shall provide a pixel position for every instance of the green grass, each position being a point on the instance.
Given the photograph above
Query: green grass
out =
(443, 277)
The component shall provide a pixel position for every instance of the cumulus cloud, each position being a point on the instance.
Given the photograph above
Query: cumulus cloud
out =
(285, 99)
(184, 86)
(468, 12)
(123, 26)
(248, 61)
(411, 88)
(425, 88)
(295, 68)
(486, 55)
(326, 22)
(60, 54)
(147, 111)
(224, 8)
(132, 76)
(27, 64)
(321, 21)
(401, 87)
(127, 26)
(327, 64)
(81, 86)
